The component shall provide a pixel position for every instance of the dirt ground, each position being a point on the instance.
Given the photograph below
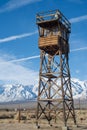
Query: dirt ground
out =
(29, 126)
(9, 120)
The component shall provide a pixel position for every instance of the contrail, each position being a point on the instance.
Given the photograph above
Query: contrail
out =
(79, 49)
(78, 19)
(11, 38)
(25, 59)
(38, 56)
(14, 4)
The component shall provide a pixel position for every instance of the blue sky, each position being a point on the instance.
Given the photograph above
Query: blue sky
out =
(19, 53)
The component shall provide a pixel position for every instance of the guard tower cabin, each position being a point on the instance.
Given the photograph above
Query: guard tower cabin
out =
(54, 29)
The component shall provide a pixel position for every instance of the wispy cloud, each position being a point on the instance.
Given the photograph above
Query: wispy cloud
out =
(25, 59)
(76, 1)
(11, 38)
(16, 73)
(14, 4)
(77, 71)
(78, 19)
(79, 49)
(38, 56)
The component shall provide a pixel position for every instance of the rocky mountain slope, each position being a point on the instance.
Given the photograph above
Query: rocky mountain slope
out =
(9, 92)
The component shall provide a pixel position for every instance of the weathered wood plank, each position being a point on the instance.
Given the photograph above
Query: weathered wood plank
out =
(47, 41)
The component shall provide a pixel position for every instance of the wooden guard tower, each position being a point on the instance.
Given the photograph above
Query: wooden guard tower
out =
(54, 91)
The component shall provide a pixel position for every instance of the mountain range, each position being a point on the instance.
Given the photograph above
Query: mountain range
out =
(11, 93)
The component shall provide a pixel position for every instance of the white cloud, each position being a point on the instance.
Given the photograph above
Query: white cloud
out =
(79, 49)
(78, 19)
(14, 4)
(77, 71)
(13, 60)
(25, 59)
(38, 56)
(19, 60)
(77, 1)
(16, 73)
(11, 38)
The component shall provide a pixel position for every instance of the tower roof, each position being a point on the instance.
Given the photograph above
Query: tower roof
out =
(52, 18)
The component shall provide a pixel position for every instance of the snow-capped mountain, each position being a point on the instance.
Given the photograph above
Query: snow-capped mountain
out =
(28, 92)
(79, 88)
(17, 92)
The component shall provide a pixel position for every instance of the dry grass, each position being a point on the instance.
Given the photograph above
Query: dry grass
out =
(25, 119)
